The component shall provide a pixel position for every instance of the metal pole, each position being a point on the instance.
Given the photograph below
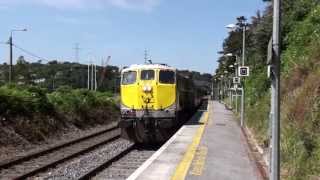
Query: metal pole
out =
(230, 92)
(88, 76)
(275, 163)
(244, 44)
(91, 76)
(237, 100)
(10, 59)
(236, 88)
(95, 77)
(243, 58)
(242, 107)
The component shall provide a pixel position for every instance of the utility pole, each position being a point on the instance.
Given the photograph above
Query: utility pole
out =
(91, 76)
(11, 53)
(88, 82)
(275, 93)
(95, 77)
(10, 66)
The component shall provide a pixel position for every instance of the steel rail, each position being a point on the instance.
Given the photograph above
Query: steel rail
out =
(59, 161)
(27, 157)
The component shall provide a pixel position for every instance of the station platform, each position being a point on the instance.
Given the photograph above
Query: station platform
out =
(210, 145)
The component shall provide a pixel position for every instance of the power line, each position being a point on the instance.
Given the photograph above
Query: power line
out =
(30, 53)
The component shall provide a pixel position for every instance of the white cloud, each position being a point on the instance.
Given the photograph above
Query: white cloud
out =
(146, 5)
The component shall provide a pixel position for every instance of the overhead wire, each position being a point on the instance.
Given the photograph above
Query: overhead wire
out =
(30, 53)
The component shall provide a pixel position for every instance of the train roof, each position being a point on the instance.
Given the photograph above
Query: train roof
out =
(149, 66)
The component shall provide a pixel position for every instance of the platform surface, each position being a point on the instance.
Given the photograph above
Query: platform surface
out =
(210, 146)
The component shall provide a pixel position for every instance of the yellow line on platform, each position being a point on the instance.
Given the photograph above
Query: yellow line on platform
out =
(183, 166)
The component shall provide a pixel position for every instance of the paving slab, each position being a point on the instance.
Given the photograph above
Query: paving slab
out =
(210, 146)
(223, 153)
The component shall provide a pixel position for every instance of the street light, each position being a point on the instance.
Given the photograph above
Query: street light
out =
(242, 24)
(11, 52)
(235, 74)
(231, 27)
(236, 63)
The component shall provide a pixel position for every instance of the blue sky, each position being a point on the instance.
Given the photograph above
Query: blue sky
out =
(183, 33)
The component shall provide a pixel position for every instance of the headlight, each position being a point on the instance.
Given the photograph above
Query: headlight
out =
(147, 88)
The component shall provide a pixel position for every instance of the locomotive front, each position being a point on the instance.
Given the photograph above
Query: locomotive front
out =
(148, 102)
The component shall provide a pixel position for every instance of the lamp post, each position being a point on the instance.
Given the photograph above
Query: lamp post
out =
(275, 86)
(11, 52)
(226, 83)
(242, 24)
(235, 65)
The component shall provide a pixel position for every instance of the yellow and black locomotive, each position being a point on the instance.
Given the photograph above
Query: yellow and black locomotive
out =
(152, 98)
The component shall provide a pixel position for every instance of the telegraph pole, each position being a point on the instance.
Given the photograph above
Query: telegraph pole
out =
(95, 77)
(91, 76)
(11, 53)
(275, 93)
(88, 76)
(10, 63)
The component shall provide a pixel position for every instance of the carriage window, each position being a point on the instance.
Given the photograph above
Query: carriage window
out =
(147, 74)
(129, 77)
(166, 77)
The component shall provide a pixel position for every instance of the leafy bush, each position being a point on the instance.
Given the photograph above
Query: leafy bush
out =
(16, 100)
(66, 99)
(34, 113)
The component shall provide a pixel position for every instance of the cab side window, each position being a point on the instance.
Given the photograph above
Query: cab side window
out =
(129, 77)
(166, 77)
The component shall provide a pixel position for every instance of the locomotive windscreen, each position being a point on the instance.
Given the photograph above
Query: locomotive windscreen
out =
(129, 77)
(166, 77)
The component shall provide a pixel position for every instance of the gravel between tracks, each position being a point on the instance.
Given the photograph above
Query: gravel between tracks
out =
(124, 167)
(78, 167)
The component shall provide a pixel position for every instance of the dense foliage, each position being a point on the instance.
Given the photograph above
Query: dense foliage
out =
(35, 113)
(300, 84)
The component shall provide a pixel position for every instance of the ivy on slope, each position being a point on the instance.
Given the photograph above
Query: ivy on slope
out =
(300, 84)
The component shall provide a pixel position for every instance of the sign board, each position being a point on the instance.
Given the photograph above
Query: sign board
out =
(269, 71)
(270, 52)
(244, 71)
(236, 80)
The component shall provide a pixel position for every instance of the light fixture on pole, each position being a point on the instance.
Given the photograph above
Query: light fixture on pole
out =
(242, 25)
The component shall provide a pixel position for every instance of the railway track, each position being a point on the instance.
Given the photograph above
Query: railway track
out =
(122, 165)
(37, 162)
(102, 155)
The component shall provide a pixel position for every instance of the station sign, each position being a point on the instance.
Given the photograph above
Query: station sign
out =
(244, 71)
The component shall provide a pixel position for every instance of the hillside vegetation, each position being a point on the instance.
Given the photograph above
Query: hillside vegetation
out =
(35, 114)
(300, 83)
